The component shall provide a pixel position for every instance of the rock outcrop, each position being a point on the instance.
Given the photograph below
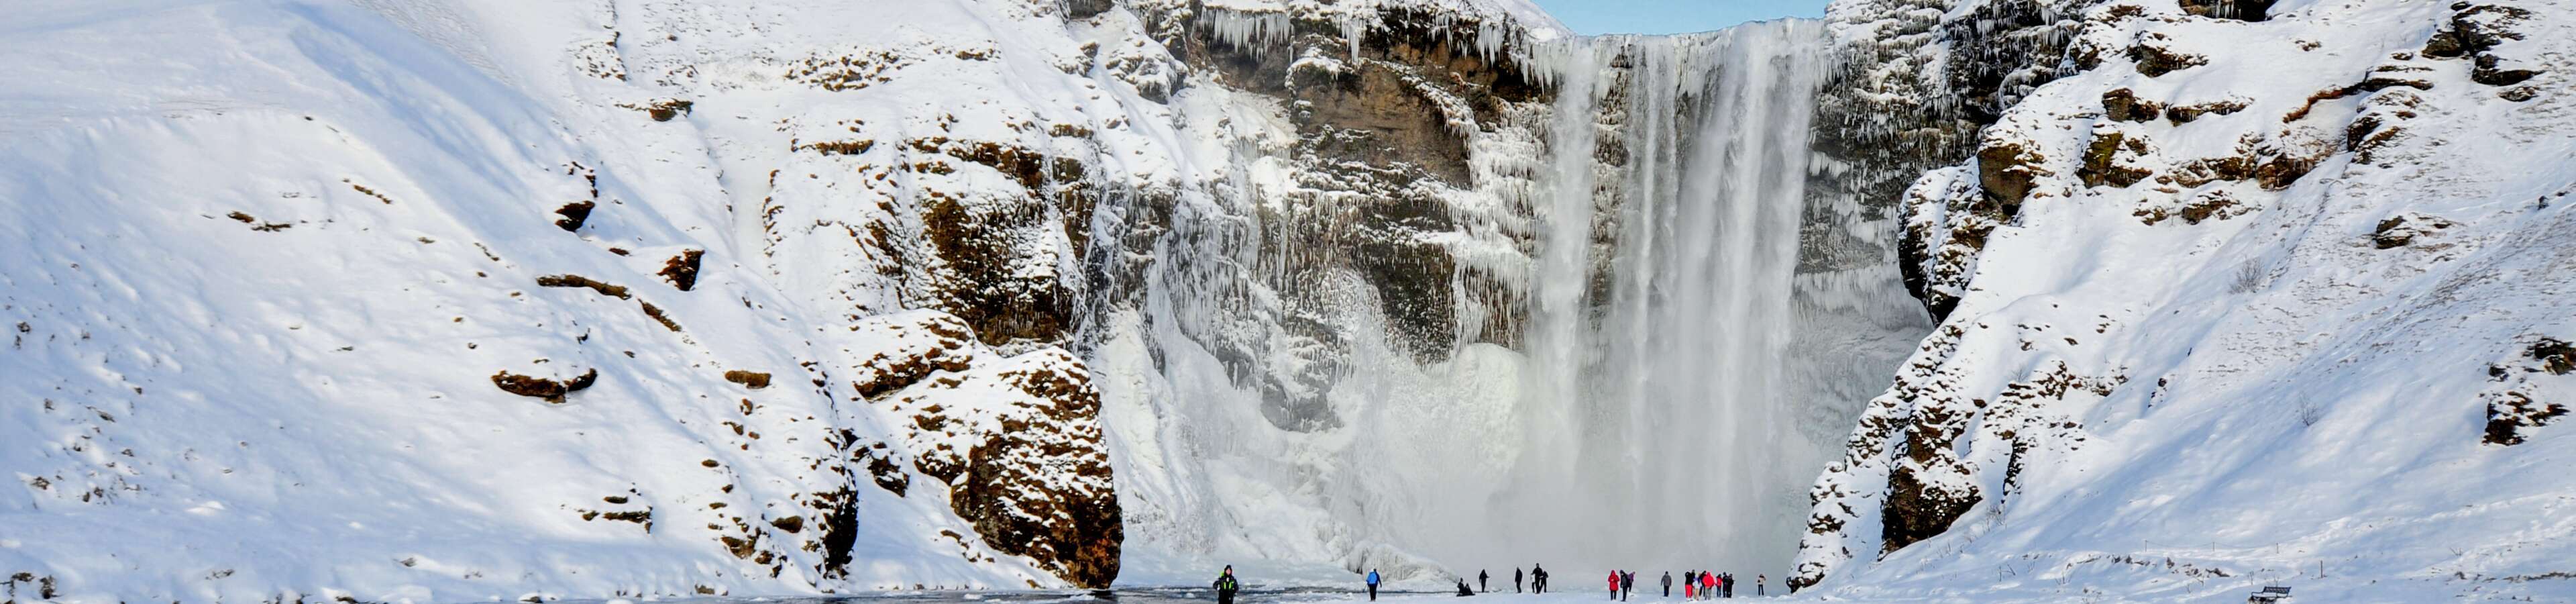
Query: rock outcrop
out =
(1016, 440)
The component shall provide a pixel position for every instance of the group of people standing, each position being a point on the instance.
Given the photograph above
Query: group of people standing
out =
(1696, 585)
(1705, 585)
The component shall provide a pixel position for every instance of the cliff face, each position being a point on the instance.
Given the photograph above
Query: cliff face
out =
(2227, 256)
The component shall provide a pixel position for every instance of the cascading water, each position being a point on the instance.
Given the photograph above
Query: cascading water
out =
(1665, 362)
(1677, 385)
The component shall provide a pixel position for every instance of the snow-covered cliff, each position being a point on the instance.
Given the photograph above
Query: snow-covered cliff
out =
(2254, 291)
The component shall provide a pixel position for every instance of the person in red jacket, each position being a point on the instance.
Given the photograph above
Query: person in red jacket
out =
(1707, 585)
(1614, 586)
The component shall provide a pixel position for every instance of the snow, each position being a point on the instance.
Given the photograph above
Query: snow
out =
(268, 257)
(299, 401)
(2282, 398)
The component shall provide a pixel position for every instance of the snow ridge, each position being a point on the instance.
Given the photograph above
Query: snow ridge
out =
(2239, 298)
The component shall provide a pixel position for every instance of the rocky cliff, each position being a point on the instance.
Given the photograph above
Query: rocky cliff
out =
(2207, 262)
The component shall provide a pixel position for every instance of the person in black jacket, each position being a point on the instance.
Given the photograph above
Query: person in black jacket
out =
(1225, 586)
(1483, 581)
(1668, 584)
(1538, 578)
(1516, 579)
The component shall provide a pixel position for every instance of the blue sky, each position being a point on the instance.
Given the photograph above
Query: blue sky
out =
(1671, 16)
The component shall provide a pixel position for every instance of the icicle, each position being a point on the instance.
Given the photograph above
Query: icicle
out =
(1352, 29)
(1248, 31)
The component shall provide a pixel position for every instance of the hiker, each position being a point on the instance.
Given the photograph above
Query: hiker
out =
(1757, 584)
(1462, 589)
(1690, 590)
(1372, 585)
(1707, 585)
(1668, 584)
(1627, 584)
(1538, 578)
(1516, 579)
(1483, 581)
(1726, 585)
(1225, 586)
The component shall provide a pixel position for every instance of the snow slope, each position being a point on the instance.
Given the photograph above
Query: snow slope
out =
(275, 254)
(325, 299)
(2239, 304)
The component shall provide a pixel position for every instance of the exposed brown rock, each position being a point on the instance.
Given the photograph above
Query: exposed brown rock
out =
(2554, 356)
(2005, 171)
(570, 280)
(664, 109)
(256, 225)
(2491, 71)
(2403, 229)
(2124, 105)
(2241, 10)
(750, 379)
(682, 270)
(574, 214)
(2216, 204)
(1915, 511)
(2184, 114)
(2154, 59)
(2509, 413)
(2101, 165)
(552, 391)
(658, 317)
(1077, 533)
(2511, 410)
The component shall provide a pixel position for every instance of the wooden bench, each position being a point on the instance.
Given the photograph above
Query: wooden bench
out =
(2274, 593)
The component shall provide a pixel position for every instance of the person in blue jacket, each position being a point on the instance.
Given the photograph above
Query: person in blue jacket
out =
(1372, 585)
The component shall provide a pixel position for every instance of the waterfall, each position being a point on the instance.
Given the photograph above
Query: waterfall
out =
(1658, 370)
(1677, 386)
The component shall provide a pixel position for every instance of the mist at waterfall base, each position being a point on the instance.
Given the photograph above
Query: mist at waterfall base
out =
(1678, 387)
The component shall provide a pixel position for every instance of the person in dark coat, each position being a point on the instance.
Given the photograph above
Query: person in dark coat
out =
(1462, 589)
(1226, 586)
(1516, 579)
(1483, 581)
(1627, 584)
(1668, 584)
(1538, 578)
